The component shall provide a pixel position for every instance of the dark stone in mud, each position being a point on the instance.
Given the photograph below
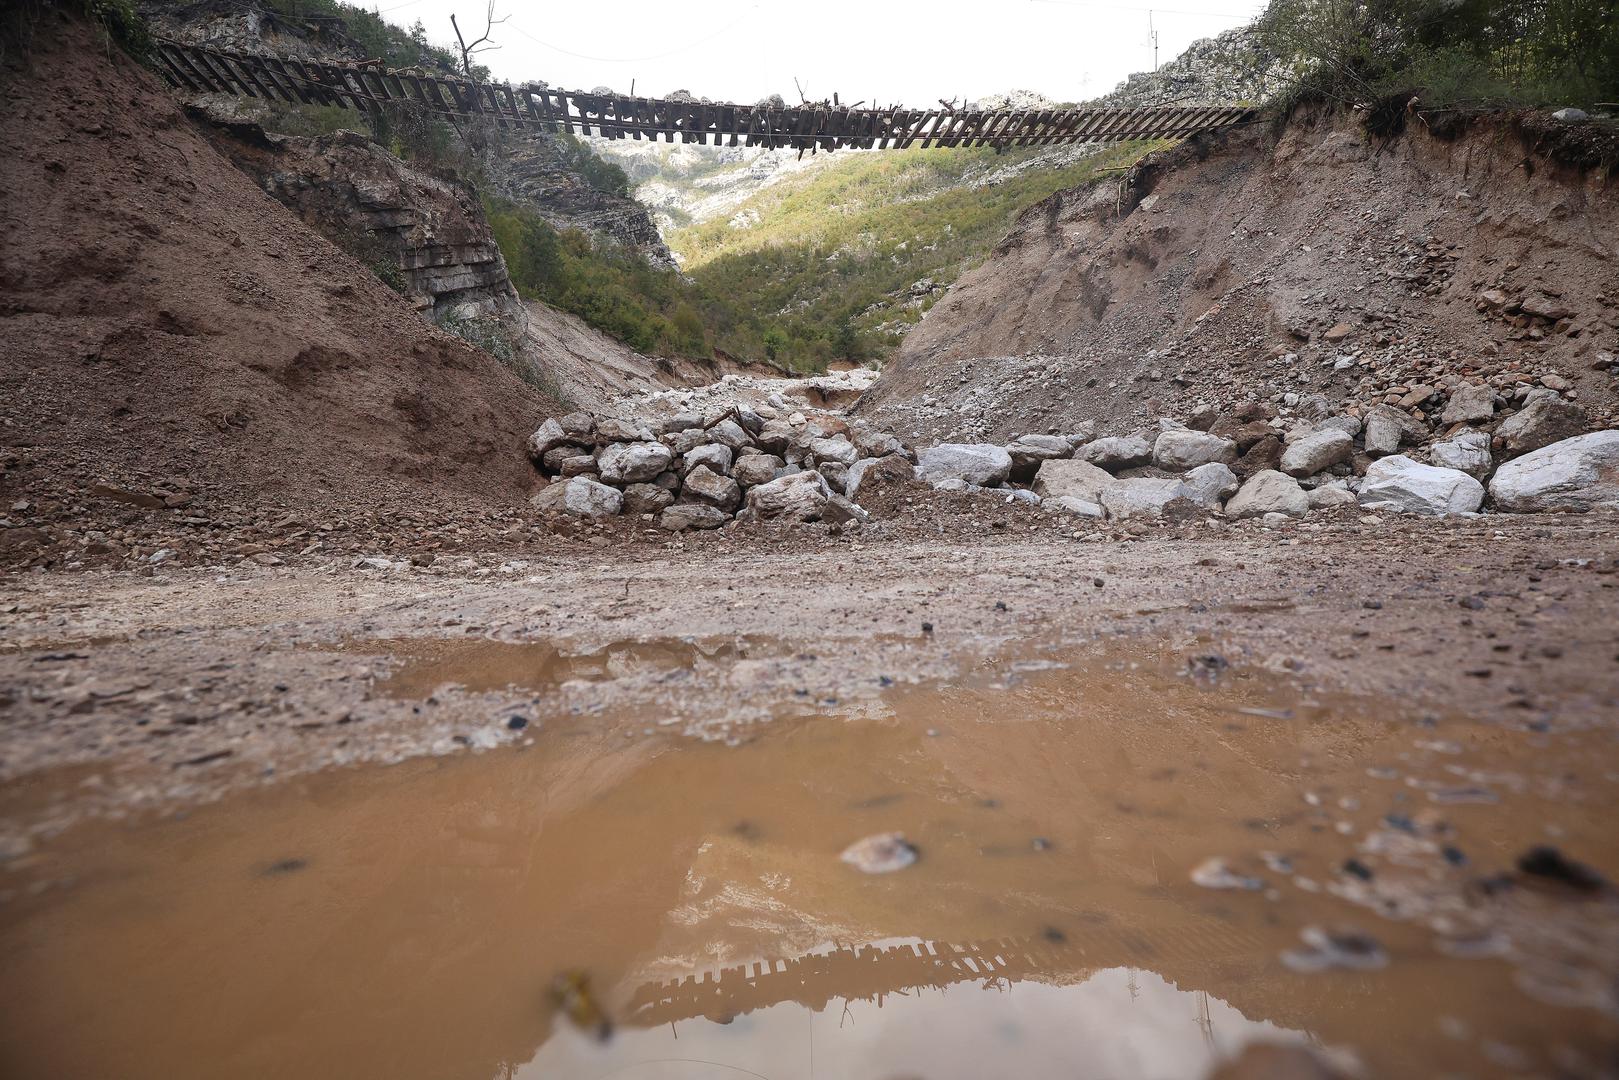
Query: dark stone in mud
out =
(285, 866)
(1053, 935)
(1546, 863)
(517, 723)
(1356, 868)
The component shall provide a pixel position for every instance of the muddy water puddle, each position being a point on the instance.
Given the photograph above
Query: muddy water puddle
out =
(495, 915)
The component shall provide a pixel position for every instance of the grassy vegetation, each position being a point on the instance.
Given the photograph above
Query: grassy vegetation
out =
(834, 249)
(1450, 52)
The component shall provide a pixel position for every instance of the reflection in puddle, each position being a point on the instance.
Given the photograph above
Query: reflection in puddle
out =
(483, 664)
(862, 1015)
(411, 922)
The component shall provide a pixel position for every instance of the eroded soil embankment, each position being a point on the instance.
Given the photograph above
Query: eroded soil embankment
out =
(167, 326)
(1258, 263)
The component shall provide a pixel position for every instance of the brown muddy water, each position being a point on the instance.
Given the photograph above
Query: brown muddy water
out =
(492, 915)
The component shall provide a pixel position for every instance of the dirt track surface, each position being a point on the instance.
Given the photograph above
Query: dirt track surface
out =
(191, 682)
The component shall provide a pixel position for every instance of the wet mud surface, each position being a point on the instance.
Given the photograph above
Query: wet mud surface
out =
(1167, 798)
(491, 915)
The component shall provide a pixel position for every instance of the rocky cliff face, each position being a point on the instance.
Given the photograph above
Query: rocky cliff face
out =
(530, 168)
(424, 234)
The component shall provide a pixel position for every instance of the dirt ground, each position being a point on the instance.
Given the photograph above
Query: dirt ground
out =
(177, 684)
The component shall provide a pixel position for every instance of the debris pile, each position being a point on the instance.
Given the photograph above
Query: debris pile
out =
(702, 471)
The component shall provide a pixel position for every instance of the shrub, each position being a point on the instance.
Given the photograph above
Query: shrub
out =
(1530, 52)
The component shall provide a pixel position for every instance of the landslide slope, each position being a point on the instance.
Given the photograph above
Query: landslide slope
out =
(163, 320)
(1308, 264)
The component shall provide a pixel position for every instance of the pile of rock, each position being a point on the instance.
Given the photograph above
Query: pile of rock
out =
(1246, 464)
(703, 471)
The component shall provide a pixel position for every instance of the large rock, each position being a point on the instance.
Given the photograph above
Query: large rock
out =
(1544, 419)
(715, 456)
(685, 516)
(614, 430)
(840, 511)
(1469, 403)
(728, 433)
(875, 444)
(1387, 428)
(1318, 450)
(1577, 475)
(1150, 498)
(1073, 478)
(753, 469)
(704, 485)
(799, 496)
(1116, 452)
(587, 498)
(1401, 484)
(876, 471)
(646, 498)
(551, 435)
(836, 449)
(1468, 451)
(774, 437)
(1028, 451)
(1328, 496)
(836, 475)
(1268, 492)
(971, 463)
(554, 458)
(633, 463)
(1074, 505)
(1211, 485)
(1179, 449)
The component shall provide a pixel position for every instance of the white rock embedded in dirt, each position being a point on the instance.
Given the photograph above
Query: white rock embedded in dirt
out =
(587, 498)
(1148, 497)
(841, 511)
(704, 485)
(1328, 496)
(891, 467)
(1468, 451)
(1544, 419)
(799, 496)
(880, 854)
(971, 463)
(751, 470)
(1211, 485)
(1116, 452)
(633, 463)
(1072, 477)
(1316, 451)
(685, 516)
(837, 449)
(1180, 449)
(715, 456)
(1470, 403)
(1072, 504)
(1268, 492)
(1575, 475)
(1400, 484)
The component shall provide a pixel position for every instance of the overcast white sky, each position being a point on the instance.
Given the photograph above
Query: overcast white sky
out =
(892, 51)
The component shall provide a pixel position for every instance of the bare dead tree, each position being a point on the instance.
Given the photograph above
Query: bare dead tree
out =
(481, 44)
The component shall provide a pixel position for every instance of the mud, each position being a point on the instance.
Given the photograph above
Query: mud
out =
(412, 921)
